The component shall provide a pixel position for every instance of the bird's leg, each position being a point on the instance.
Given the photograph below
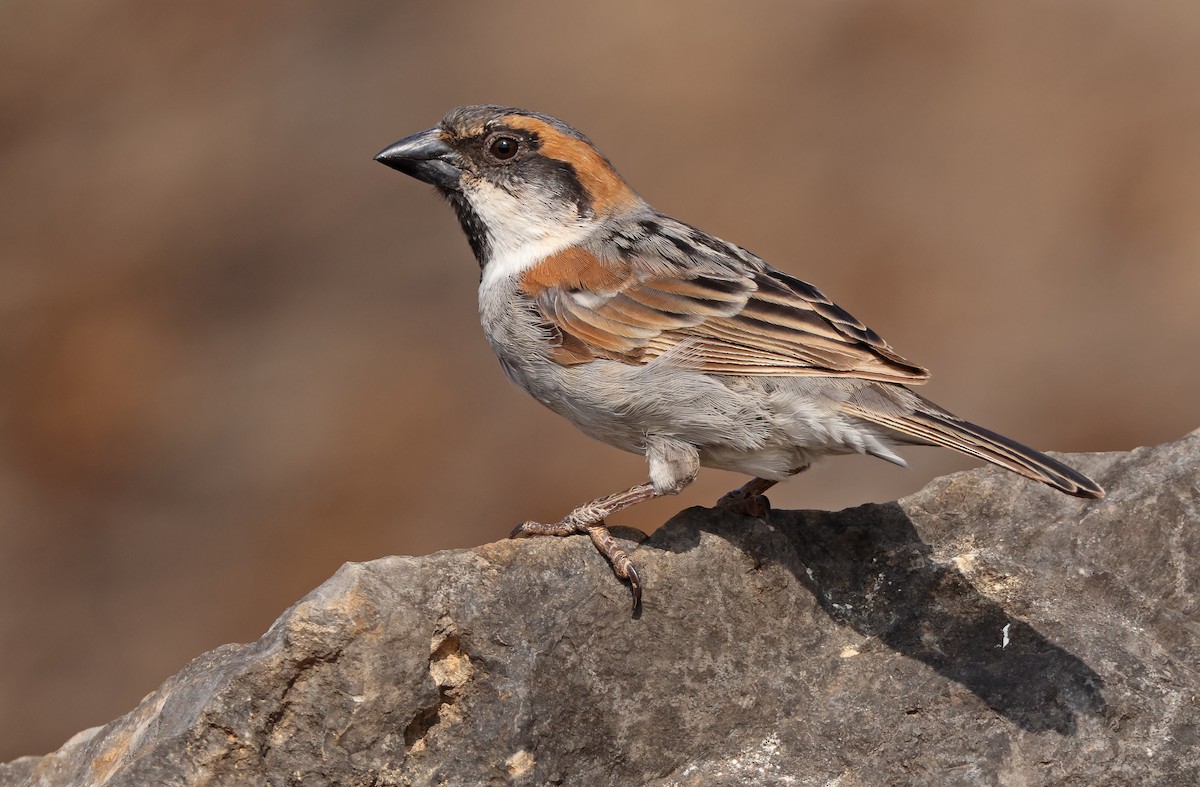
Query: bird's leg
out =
(673, 465)
(587, 515)
(589, 518)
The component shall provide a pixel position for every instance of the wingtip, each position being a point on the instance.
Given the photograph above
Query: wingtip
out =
(1078, 484)
(1092, 492)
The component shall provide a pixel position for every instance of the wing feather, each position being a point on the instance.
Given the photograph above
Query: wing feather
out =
(728, 313)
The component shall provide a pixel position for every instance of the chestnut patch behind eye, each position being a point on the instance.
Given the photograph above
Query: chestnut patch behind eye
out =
(603, 187)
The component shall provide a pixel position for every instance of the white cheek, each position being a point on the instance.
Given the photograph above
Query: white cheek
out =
(523, 229)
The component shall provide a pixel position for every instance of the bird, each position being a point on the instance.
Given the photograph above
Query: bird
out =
(660, 339)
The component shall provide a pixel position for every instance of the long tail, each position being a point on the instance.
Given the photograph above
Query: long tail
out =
(932, 424)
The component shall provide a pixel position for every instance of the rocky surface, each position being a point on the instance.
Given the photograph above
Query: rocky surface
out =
(986, 630)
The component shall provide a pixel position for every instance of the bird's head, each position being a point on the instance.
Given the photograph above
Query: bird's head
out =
(522, 183)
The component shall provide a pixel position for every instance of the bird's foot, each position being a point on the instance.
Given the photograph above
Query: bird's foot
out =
(589, 518)
(617, 557)
(757, 506)
(748, 499)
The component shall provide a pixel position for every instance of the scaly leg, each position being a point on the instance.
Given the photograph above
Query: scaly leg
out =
(589, 518)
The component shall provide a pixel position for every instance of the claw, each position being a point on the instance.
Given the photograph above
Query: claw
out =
(622, 566)
(635, 586)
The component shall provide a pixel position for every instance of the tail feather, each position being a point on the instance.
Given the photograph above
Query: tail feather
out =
(942, 428)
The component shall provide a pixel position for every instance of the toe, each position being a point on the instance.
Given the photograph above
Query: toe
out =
(730, 499)
(757, 506)
(526, 529)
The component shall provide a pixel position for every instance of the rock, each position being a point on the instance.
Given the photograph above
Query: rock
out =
(984, 630)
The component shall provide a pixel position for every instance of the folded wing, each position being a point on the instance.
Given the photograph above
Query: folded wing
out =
(732, 316)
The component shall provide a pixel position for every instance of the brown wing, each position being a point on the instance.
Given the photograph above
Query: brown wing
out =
(727, 319)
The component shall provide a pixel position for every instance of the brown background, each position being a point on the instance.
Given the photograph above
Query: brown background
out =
(235, 352)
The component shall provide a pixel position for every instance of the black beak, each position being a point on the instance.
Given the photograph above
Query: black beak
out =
(426, 157)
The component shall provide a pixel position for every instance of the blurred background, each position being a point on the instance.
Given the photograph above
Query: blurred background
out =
(235, 352)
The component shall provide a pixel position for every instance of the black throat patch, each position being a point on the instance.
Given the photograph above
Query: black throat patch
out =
(472, 226)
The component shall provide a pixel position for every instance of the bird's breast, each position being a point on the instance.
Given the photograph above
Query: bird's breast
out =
(513, 328)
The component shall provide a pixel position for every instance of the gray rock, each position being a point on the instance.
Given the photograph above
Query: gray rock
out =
(986, 630)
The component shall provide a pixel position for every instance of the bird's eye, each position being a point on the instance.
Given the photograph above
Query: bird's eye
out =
(503, 148)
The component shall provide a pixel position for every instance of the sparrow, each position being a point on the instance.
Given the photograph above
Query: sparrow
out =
(657, 338)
